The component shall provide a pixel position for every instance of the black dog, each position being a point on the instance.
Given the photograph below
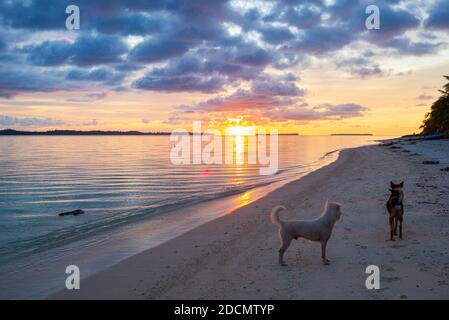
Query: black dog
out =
(395, 208)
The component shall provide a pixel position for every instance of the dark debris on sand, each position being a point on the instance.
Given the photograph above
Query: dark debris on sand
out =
(430, 162)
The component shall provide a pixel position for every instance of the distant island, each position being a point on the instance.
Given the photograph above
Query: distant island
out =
(351, 134)
(12, 132)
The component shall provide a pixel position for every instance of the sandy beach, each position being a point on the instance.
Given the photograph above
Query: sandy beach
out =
(235, 256)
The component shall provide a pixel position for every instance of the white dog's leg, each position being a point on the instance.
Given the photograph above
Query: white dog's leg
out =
(323, 253)
(285, 243)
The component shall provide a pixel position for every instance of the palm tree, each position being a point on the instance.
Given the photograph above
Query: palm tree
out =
(437, 120)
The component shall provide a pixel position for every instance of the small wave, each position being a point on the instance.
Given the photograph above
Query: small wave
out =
(24, 247)
(20, 248)
(327, 154)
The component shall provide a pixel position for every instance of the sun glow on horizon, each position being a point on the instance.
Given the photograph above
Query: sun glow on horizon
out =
(235, 129)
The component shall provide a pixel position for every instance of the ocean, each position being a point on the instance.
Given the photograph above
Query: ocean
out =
(122, 183)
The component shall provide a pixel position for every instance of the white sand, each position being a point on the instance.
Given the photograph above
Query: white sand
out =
(235, 257)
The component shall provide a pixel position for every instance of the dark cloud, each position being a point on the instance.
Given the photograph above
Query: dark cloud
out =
(207, 70)
(347, 110)
(194, 45)
(14, 81)
(360, 67)
(3, 44)
(87, 50)
(130, 24)
(91, 50)
(127, 67)
(393, 23)
(325, 112)
(303, 17)
(266, 92)
(159, 49)
(49, 53)
(274, 87)
(438, 16)
(320, 40)
(366, 72)
(35, 15)
(276, 35)
(6, 121)
(187, 83)
(96, 75)
(255, 57)
(406, 46)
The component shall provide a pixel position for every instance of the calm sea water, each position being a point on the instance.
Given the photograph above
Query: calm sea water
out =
(117, 179)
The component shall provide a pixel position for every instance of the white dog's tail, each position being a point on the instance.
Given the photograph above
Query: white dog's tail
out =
(274, 215)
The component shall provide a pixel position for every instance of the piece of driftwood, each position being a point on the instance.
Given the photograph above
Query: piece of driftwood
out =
(71, 213)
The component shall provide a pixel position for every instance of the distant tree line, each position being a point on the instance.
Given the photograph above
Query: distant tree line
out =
(437, 120)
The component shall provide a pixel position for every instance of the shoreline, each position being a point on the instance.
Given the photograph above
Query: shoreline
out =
(234, 256)
(272, 189)
(182, 238)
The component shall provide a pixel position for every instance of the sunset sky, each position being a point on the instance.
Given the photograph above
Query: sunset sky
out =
(309, 67)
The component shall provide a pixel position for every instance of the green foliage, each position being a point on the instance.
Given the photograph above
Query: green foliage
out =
(437, 120)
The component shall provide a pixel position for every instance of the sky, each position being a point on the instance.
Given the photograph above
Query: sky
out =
(308, 67)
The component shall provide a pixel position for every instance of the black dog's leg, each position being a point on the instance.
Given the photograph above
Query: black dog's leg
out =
(396, 222)
(391, 228)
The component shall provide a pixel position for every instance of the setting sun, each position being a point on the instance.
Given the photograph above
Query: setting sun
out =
(238, 130)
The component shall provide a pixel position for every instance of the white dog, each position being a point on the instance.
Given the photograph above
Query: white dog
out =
(319, 229)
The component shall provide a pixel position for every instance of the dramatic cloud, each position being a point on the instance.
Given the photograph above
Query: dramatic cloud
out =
(159, 49)
(276, 35)
(406, 46)
(212, 47)
(13, 82)
(271, 99)
(179, 84)
(130, 24)
(438, 16)
(49, 53)
(6, 121)
(394, 22)
(85, 51)
(326, 112)
(270, 86)
(96, 75)
(360, 67)
(320, 40)
(3, 45)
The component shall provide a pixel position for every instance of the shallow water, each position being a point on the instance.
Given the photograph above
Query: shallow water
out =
(117, 178)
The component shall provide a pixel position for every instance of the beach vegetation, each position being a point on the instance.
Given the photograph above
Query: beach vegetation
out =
(437, 120)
